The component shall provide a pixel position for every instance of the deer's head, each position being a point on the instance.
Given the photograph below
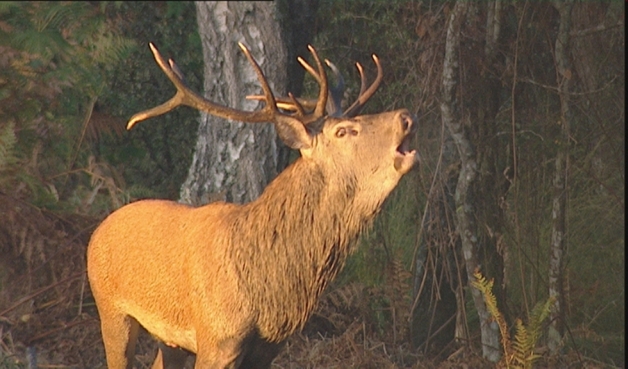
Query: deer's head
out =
(372, 148)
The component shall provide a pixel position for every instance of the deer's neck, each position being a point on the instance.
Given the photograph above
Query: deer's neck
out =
(293, 240)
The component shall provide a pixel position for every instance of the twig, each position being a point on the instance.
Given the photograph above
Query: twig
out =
(80, 309)
(556, 89)
(40, 291)
(598, 28)
(58, 329)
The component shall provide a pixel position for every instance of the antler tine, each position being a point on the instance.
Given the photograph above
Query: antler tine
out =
(271, 105)
(334, 104)
(185, 96)
(365, 95)
(300, 112)
(300, 105)
(362, 78)
(309, 68)
(321, 77)
(297, 104)
(287, 103)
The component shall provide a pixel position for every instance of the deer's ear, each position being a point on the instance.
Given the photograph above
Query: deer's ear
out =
(293, 133)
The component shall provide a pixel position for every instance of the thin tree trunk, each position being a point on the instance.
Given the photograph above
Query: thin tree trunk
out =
(559, 201)
(491, 185)
(468, 174)
(232, 160)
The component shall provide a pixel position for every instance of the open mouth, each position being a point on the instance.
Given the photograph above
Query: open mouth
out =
(404, 147)
(404, 157)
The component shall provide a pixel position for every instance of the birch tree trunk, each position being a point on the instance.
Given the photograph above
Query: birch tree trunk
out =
(559, 201)
(234, 161)
(465, 221)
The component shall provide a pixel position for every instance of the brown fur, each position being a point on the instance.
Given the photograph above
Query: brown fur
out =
(231, 282)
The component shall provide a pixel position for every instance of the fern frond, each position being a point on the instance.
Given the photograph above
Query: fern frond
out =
(523, 347)
(46, 43)
(539, 313)
(520, 352)
(526, 338)
(520, 345)
(486, 288)
(110, 49)
(347, 297)
(489, 297)
(57, 15)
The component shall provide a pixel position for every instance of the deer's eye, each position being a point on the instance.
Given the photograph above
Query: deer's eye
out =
(341, 132)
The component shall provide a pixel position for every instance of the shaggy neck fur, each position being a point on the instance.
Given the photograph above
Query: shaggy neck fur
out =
(293, 241)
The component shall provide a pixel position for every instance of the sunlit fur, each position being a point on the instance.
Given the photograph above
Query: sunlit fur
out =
(231, 282)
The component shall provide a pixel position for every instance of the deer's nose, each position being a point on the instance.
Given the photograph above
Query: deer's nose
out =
(407, 122)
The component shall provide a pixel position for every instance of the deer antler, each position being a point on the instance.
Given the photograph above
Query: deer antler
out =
(298, 104)
(270, 113)
(365, 93)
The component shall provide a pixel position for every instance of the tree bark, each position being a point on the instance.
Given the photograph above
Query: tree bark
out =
(490, 188)
(559, 200)
(298, 21)
(234, 161)
(464, 203)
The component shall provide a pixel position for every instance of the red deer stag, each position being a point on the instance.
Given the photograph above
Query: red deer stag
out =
(231, 282)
